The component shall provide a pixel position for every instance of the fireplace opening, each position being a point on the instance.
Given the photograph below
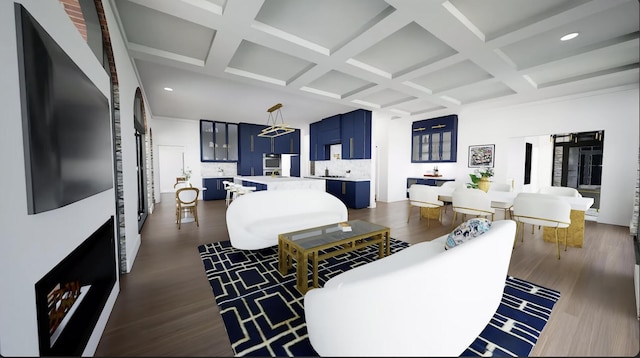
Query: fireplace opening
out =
(71, 297)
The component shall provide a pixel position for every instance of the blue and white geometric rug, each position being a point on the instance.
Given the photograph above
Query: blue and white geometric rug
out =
(263, 311)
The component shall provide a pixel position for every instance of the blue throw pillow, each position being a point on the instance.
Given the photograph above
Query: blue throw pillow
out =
(467, 231)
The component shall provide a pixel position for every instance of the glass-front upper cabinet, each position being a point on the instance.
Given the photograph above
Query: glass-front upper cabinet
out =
(218, 141)
(434, 140)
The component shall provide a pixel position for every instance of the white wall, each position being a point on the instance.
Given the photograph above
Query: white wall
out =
(614, 111)
(178, 132)
(33, 244)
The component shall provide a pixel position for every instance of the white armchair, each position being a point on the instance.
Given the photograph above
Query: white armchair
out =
(424, 196)
(542, 210)
(471, 202)
(560, 190)
(505, 207)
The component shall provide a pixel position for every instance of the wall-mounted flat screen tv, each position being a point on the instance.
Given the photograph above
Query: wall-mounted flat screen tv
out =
(65, 120)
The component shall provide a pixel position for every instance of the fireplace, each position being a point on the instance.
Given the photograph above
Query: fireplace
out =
(71, 297)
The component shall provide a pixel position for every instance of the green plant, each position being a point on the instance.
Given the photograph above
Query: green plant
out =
(186, 173)
(477, 174)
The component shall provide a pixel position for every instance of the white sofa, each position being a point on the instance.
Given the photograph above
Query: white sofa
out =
(254, 220)
(421, 301)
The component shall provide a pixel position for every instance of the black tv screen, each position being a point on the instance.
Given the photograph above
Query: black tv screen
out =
(65, 120)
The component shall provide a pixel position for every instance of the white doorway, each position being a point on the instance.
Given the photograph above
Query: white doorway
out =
(170, 163)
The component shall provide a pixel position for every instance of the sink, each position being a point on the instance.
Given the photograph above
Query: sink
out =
(332, 176)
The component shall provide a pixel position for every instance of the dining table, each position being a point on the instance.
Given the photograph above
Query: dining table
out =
(579, 206)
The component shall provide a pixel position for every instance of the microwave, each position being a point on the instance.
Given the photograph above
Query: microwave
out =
(271, 161)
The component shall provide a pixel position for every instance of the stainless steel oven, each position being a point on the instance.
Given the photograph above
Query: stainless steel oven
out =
(271, 162)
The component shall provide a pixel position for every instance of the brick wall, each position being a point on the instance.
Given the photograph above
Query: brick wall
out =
(72, 7)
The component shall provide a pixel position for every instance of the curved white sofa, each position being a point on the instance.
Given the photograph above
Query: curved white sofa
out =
(421, 301)
(254, 220)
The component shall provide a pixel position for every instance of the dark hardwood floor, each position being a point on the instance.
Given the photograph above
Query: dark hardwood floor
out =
(166, 307)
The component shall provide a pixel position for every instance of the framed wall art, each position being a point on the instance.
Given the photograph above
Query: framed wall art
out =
(481, 155)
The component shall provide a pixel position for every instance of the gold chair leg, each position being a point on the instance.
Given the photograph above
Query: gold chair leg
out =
(557, 243)
(455, 214)
(409, 218)
(179, 218)
(195, 216)
(566, 233)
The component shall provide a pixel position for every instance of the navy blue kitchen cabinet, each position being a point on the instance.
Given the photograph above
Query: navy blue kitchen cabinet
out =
(287, 144)
(323, 134)
(354, 194)
(356, 134)
(329, 131)
(252, 147)
(434, 140)
(258, 186)
(317, 149)
(215, 188)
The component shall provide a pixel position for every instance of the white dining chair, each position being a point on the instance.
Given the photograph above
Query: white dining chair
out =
(182, 184)
(560, 190)
(240, 189)
(449, 185)
(424, 196)
(505, 207)
(542, 210)
(471, 202)
(229, 187)
(187, 202)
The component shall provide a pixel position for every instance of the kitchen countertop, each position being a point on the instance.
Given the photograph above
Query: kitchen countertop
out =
(339, 178)
(267, 179)
(282, 183)
(436, 178)
(219, 176)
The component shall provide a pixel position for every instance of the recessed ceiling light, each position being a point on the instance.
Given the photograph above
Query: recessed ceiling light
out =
(168, 89)
(568, 37)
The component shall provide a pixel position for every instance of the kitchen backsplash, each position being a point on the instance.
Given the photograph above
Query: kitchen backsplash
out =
(360, 168)
(211, 169)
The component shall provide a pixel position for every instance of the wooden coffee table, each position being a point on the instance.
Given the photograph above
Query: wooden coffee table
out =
(304, 245)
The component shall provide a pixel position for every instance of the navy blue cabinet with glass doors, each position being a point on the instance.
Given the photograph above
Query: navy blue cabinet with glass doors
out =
(218, 141)
(435, 140)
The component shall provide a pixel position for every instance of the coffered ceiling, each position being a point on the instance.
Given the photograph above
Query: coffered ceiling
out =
(231, 60)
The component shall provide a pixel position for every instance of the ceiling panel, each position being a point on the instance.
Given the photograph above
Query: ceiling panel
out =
(473, 94)
(497, 17)
(158, 30)
(596, 63)
(603, 29)
(457, 75)
(328, 23)
(234, 59)
(339, 83)
(264, 61)
(387, 97)
(404, 49)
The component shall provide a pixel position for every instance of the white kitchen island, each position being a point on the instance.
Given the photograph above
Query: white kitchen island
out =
(266, 182)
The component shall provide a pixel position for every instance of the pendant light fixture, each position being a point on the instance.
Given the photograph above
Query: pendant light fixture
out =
(275, 122)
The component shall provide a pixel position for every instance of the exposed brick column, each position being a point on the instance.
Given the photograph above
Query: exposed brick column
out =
(117, 138)
(72, 7)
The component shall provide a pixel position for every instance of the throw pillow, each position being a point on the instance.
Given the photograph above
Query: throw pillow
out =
(467, 231)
